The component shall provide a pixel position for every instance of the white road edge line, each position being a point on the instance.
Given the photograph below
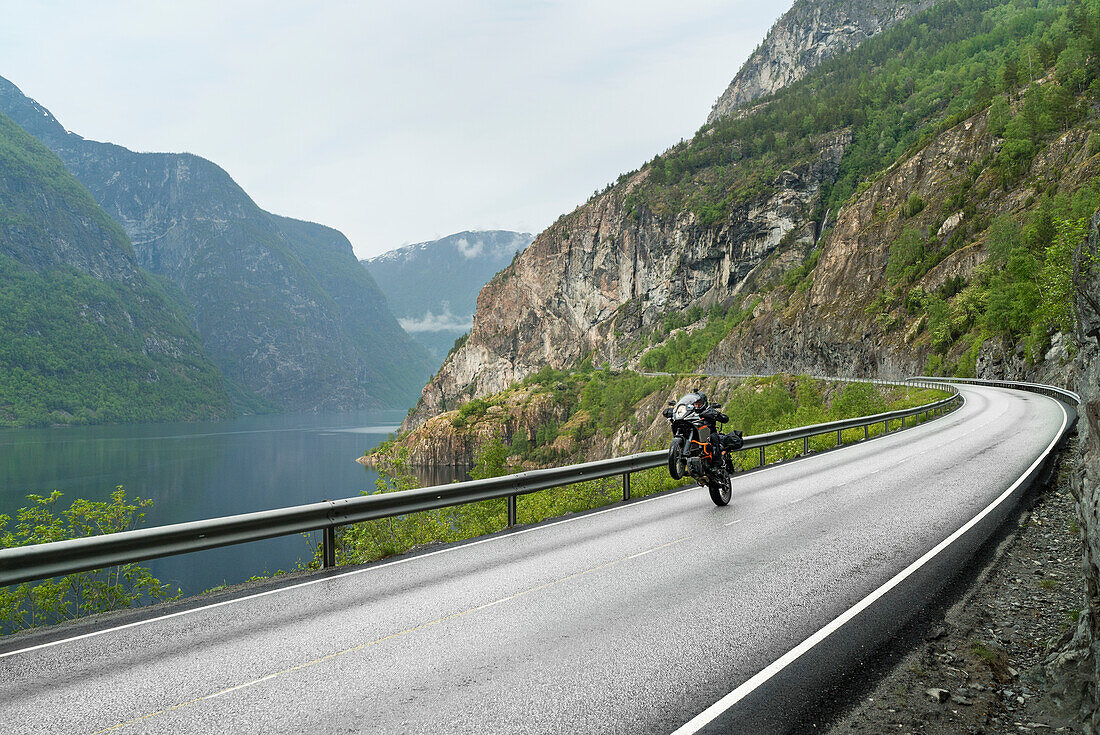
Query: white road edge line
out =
(712, 712)
(223, 603)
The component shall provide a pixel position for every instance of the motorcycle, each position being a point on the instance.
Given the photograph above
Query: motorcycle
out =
(698, 450)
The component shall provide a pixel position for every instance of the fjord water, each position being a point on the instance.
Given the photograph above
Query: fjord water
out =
(201, 470)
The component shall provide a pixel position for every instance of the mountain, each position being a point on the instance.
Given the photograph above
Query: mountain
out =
(917, 204)
(86, 336)
(807, 34)
(842, 226)
(432, 287)
(283, 307)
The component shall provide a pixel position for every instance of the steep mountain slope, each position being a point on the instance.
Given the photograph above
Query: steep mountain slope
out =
(606, 268)
(85, 335)
(283, 307)
(432, 287)
(807, 34)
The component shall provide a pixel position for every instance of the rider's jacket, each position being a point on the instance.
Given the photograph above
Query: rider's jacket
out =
(729, 442)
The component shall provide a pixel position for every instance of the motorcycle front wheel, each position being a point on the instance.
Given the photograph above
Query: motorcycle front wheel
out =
(720, 492)
(676, 458)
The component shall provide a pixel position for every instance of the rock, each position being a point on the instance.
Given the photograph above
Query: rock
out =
(809, 33)
(936, 633)
(950, 224)
(938, 695)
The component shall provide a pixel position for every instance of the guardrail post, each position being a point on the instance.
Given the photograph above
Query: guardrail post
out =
(761, 456)
(328, 546)
(626, 486)
(805, 445)
(511, 510)
(903, 422)
(886, 426)
(839, 438)
(866, 431)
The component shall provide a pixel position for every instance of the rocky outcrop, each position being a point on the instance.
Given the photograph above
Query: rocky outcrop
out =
(605, 273)
(453, 440)
(283, 307)
(809, 33)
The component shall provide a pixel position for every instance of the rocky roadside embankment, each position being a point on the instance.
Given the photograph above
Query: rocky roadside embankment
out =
(981, 666)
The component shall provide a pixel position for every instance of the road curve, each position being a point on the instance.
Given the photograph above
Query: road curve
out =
(633, 619)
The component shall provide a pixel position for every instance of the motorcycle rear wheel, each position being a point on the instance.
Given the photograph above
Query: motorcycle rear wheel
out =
(720, 492)
(676, 463)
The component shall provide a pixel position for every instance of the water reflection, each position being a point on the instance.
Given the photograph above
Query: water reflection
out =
(439, 475)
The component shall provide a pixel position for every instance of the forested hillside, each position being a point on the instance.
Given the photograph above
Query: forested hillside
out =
(85, 335)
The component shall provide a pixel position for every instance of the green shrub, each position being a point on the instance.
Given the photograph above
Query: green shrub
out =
(907, 250)
(913, 206)
(54, 600)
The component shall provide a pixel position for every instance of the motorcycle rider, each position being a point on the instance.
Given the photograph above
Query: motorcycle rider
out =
(721, 445)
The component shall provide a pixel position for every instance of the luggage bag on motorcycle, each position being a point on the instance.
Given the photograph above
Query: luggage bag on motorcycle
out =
(732, 441)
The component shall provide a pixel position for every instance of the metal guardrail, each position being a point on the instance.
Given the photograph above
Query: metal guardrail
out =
(1061, 394)
(40, 561)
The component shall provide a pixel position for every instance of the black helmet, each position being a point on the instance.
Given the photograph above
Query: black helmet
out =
(700, 401)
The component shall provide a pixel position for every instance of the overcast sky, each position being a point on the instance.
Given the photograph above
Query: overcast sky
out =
(394, 122)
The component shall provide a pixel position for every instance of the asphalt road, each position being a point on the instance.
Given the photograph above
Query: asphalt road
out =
(632, 619)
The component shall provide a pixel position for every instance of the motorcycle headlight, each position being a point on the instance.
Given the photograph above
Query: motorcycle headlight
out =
(680, 411)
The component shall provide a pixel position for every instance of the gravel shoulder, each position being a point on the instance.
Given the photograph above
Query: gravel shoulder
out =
(975, 665)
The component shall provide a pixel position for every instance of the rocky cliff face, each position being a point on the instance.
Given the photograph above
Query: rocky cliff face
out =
(808, 34)
(714, 223)
(603, 274)
(283, 307)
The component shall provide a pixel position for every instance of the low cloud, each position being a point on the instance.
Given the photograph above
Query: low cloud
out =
(468, 249)
(444, 322)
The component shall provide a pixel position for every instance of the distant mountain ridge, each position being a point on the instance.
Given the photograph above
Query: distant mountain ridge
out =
(432, 286)
(283, 307)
